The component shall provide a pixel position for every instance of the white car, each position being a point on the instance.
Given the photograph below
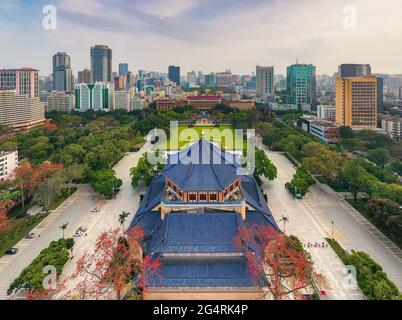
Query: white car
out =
(78, 233)
(95, 210)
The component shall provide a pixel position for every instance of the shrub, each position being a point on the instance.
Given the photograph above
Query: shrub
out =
(371, 278)
(31, 278)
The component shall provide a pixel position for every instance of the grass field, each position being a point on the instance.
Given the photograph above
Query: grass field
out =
(225, 135)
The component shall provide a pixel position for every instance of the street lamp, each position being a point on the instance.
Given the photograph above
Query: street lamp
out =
(332, 231)
(284, 220)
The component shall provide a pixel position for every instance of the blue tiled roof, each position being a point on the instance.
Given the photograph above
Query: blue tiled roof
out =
(203, 272)
(152, 198)
(254, 197)
(197, 233)
(212, 232)
(202, 166)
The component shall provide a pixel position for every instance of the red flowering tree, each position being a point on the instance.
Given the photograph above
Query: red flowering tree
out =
(23, 179)
(4, 222)
(115, 264)
(49, 126)
(277, 262)
(27, 178)
(47, 294)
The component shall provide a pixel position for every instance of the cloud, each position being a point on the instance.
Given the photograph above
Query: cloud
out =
(213, 35)
(8, 5)
(165, 9)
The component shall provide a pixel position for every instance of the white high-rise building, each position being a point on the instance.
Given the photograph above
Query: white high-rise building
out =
(137, 104)
(20, 111)
(96, 96)
(192, 78)
(122, 100)
(8, 163)
(60, 101)
(326, 112)
(265, 81)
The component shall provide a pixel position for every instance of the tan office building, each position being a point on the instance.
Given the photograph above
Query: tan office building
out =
(356, 102)
(20, 111)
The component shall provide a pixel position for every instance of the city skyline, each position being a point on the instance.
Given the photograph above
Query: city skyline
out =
(204, 35)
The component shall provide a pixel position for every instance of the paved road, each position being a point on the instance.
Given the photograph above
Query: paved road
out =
(311, 218)
(127, 200)
(357, 232)
(77, 212)
(303, 223)
(74, 211)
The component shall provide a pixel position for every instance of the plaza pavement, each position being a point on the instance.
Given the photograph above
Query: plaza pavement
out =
(311, 219)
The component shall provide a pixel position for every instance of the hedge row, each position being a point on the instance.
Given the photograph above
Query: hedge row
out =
(31, 278)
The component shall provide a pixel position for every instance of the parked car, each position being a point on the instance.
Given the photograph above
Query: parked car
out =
(11, 252)
(78, 233)
(94, 210)
(83, 228)
(30, 236)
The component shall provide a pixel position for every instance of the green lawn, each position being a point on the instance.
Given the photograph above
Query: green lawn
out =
(225, 135)
(21, 224)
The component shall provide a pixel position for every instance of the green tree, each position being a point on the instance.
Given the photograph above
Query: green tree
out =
(352, 145)
(264, 166)
(63, 227)
(379, 156)
(122, 219)
(346, 132)
(75, 172)
(51, 188)
(355, 175)
(144, 171)
(105, 182)
(386, 214)
(371, 278)
(322, 160)
(397, 167)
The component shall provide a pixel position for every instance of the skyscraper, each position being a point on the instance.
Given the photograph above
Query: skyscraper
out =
(62, 73)
(265, 81)
(224, 79)
(356, 102)
(123, 69)
(360, 71)
(97, 96)
(210, 80)
(354, 70)
(192, 78)
(101, 63)
(301, 84)
(85, 76)
(174, 74)
(24, 81)
(380, 96)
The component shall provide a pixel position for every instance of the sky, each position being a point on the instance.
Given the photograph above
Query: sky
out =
(206, 35)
